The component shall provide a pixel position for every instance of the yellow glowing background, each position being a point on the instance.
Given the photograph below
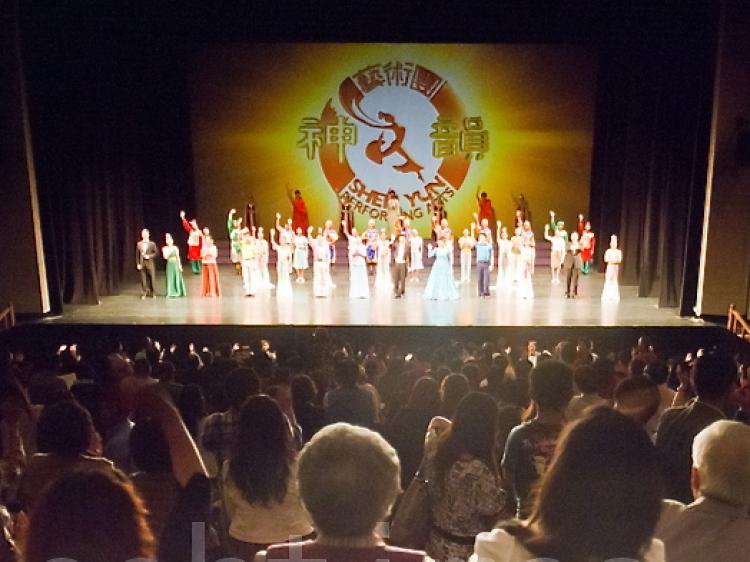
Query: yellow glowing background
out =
(536, 101)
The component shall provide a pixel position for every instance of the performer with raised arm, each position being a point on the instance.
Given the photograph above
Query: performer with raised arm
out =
(613, 259)
(248, 249)
(440, 284)
(466, 246)
(262, 255)
(359, 287)
(145, 252)
(209, 270)
(572, 264)
(525, 285)
(401, 259)
(516, 259)
(283, 267)
(588, 247)
(504, 245)
(522, 208)
(194, 242)
(251, 221)
(580, 226)
(484, 265)
(331, 236)
(529, 242)
(393, 212)
(301, 258)
(234, 230)
(322, 283)
(286, 232)
(557, 252)
(486, 210)
(416, 247)
(438, 212)
(383, 279)
(175, 281)
(299, 210)
(346, 212)
(556, 225)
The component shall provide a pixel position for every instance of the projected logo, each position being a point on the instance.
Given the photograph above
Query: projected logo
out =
(398, 126)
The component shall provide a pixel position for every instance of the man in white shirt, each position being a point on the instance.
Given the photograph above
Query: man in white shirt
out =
(716, 526)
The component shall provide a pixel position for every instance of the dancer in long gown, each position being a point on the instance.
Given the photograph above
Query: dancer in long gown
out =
(393, 213)
(175, 281)
(250, 277)
(613, 259)
(440, 284)
(504, 275)
(516, 260)
(416, 247)
(322, 283)
(383, 279)
(359, 287)
(283, 268)
(557, 253)
(262, 255)
(529, 241)
(525, 286)
(209, 270)
(301, 258)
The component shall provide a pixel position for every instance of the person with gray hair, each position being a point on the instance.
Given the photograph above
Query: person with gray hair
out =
(716, 526)
(348, 482)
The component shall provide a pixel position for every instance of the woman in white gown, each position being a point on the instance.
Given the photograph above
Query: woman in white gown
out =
(525, 285)
(383, 278)
(504, 245)
(262, 255)
(416, 246)
(359, 287)
(283, 267)
(557, 253)
(613, 259)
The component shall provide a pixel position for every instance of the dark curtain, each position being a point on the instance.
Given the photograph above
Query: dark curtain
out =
(651, 145)
(109, 111)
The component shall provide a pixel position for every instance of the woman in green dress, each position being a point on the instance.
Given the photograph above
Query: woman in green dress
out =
(175, 281)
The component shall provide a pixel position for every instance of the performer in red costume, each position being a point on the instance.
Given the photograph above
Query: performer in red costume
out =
(194, 242)
(486, 211)
(299, 211)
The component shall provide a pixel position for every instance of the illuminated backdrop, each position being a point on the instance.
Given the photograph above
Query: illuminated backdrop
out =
(348, 122)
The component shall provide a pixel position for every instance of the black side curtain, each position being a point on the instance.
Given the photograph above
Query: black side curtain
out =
(651, 146)
(108, 110)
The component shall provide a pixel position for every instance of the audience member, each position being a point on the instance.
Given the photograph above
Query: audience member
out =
(349, 402)
(588, 383)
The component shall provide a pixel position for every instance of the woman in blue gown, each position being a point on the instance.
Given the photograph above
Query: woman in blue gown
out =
(440, 285)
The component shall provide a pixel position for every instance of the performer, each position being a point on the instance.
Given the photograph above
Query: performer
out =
(613, 259)
(393, 210)
(484, 265)
(504, 246)
(299, 211)
(262, 255)
(556, 225)
(234, 229)
(557, 252)
(301, 260)
(383, 279)
(401, 259)
(416, 249)
(588, 246)
(516, 261)
(572, 264)
(529, 242)
(347, 213)
(525, 286)
(322, 283)
(145, 253)
(370, 239)
(580, 226)
(486, 211)
(286, 232)
(283, 267)
(210, 271)
(250, 221)
(522, 208)
(358, 284)
(193, 243)
(440, 285)
(439, 214)
(466, 245)
(331, 236)
(175, 281)
(250, 277)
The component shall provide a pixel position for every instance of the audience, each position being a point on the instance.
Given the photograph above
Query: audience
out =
(454, 409)
(716, 526)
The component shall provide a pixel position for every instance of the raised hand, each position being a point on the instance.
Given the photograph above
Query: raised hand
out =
(182, 214)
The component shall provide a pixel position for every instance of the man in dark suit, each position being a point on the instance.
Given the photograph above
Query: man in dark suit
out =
(572, 264)
(145, 253)
(401, 260)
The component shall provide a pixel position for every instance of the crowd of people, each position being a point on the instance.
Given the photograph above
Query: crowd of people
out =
(170, 452)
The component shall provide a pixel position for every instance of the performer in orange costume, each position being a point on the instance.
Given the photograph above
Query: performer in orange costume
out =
(299, 212)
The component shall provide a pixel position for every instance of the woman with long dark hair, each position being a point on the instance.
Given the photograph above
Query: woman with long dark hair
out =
(260, 481)
(465, 492)
(599, 500)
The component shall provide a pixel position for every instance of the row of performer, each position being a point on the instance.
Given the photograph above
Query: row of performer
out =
(391, 259)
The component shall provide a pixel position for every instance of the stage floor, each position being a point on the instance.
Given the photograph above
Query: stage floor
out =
(548, 308)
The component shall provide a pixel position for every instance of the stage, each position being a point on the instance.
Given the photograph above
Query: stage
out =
(549, 307)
